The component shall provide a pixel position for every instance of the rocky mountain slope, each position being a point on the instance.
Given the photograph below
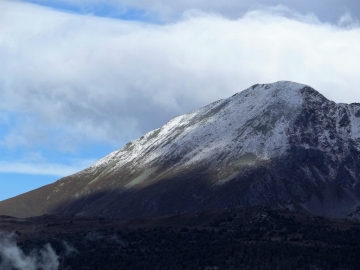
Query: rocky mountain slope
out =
(282, 145)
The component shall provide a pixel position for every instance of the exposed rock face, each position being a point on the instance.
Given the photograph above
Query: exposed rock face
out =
(280, 144)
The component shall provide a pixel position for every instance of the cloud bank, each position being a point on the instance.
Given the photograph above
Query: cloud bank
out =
(75, 78)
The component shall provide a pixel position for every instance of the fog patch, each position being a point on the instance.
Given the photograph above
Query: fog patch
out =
(12, 257)
(69, 249)
(113, 238)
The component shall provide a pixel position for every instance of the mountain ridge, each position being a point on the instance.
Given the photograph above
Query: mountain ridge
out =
(281, 144)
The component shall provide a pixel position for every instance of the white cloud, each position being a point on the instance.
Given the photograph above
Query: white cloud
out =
(43, 168)
(89, 78)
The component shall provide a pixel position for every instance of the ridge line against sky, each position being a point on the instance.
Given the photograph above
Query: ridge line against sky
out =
(79, 84)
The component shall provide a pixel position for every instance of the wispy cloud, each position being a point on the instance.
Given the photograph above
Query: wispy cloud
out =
(44, 168)
(96, 79)
(348, 21)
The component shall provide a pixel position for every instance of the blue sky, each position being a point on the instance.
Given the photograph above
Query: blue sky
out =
(79, 79)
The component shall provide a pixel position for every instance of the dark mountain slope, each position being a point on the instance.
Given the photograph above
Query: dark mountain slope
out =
(282, 145)
(240, 238)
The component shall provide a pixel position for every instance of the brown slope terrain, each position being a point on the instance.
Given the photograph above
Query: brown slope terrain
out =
(282, 145)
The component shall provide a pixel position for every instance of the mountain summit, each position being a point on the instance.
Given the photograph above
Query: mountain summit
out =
(281, 144)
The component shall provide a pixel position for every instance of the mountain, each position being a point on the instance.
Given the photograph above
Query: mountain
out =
(282, 145)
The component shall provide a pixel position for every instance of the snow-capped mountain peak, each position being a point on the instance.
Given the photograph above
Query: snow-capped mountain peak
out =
(281, 144)
(252, 121)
